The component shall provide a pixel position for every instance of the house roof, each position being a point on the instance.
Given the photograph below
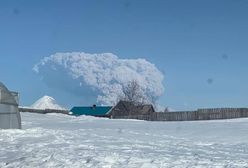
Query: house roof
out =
(132, 109)
(129, 105)
(89, 110)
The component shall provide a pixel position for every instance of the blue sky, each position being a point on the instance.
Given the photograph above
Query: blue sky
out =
(199, 45)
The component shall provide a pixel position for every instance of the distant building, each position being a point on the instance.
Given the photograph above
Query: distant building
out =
(9, 113)
(97, 111)
(123, 108)
(126, 108)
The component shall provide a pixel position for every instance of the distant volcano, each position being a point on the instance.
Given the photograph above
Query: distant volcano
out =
(46, 102)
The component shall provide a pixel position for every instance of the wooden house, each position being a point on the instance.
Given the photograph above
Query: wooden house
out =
(126, 108)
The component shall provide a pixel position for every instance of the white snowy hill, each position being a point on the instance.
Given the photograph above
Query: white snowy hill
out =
(47, 102)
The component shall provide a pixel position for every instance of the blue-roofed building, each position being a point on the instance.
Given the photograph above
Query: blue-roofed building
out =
(97, 111)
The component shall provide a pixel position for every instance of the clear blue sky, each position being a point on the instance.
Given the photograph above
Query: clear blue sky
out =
(200, 45)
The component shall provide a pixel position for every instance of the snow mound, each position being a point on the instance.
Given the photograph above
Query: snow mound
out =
(46, 102)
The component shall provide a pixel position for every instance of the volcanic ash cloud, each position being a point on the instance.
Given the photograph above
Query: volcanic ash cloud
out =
(100, 75)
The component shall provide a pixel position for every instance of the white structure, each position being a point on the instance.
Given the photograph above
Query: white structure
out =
(9, 113)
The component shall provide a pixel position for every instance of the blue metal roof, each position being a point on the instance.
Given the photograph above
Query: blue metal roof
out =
(93, 111)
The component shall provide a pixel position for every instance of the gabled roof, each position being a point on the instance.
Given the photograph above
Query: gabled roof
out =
(89, 110)
(141, 107)
(129, 108)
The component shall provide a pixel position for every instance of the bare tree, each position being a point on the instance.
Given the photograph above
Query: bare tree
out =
(166, 109)
(133, 93)
(151, 99)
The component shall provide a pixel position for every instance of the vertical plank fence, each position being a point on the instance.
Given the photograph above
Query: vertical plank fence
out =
(200, 114)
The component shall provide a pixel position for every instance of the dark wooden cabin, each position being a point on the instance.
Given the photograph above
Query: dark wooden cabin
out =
(126, 108)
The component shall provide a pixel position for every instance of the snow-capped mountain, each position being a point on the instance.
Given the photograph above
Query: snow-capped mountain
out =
(46, 102)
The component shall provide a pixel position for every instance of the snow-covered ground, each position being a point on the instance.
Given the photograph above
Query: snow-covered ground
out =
(56, 140)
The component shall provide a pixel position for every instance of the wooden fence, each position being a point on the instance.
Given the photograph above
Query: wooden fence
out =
(43, 111)
(200, 114)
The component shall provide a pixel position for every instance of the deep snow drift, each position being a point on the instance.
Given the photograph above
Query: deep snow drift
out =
(46, 102)
(56, 140)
